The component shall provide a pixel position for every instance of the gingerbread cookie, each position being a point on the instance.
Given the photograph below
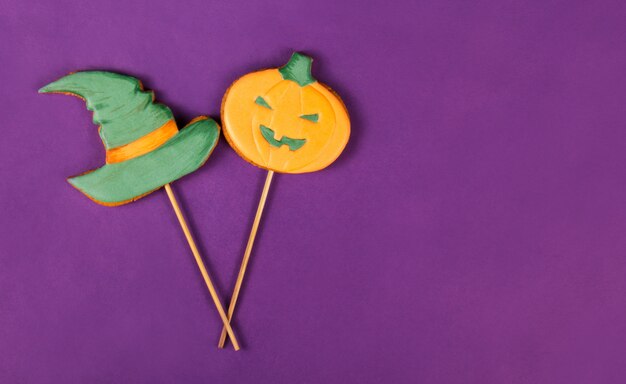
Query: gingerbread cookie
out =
(144, 148)
(284, 120)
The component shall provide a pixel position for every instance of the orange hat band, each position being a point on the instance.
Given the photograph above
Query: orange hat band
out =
(143, 145)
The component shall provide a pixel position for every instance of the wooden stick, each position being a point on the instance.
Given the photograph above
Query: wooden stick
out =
(200, 263)
(246, 255)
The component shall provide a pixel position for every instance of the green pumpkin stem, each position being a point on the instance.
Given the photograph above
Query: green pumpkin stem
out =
(298, 69)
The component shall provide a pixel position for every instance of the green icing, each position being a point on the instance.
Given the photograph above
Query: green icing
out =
(182, 154)
(119, 106)
(314, 117)
(293, 144)
(261, 101)
(298, 69)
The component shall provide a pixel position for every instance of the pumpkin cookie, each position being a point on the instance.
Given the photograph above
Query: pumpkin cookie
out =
(284, 120)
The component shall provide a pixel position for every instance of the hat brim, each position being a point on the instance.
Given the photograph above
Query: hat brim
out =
(120, 183)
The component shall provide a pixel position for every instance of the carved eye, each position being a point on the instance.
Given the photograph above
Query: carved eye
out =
(261, 101)
(314, 117)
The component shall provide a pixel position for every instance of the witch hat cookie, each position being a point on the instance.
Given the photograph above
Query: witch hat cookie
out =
(144, 148)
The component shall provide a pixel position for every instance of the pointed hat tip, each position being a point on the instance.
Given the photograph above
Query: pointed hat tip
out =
(48, 88)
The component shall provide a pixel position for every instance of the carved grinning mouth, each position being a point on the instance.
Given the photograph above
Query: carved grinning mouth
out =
(293, 144)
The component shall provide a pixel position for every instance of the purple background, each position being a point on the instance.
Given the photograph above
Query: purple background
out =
(472, 231)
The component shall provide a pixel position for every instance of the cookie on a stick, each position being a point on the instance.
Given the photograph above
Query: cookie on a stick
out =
(144, 148)
(282, 120)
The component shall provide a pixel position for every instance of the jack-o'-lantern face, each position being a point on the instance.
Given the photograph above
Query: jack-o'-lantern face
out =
(282, 119)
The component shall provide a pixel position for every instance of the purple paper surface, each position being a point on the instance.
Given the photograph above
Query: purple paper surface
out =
(471, 232)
